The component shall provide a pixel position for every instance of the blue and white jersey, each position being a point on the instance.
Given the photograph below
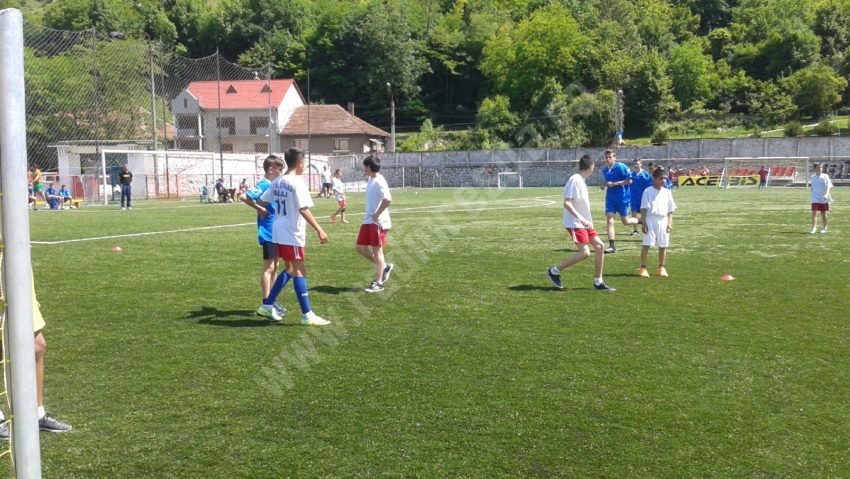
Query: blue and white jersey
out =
(264, 225)
(288, 194)
(617, 195)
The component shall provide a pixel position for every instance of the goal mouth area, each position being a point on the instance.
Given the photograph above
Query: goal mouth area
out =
(764, 171)
(508, 179)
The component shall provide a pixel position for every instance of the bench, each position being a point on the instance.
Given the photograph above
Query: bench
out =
(77, 203)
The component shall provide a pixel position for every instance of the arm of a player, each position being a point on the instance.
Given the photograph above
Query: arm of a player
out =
(385, 203)
(253, 204)
(669, 222)
(308, 215)
(568, 205)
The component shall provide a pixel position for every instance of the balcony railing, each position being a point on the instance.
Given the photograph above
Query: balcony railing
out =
(187, 132)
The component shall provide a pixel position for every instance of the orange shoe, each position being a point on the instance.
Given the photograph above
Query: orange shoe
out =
(662, 271)
(644, 273)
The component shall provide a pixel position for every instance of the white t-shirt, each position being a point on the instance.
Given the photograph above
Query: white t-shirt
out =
(657, 202)
(820, 187)
(338, 188)
(326, 176)
(576, 190)
(288, 194)
(377, 190)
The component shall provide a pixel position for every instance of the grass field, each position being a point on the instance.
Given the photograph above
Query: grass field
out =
(470, 364)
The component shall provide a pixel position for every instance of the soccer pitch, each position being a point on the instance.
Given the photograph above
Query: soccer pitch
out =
(469, 364)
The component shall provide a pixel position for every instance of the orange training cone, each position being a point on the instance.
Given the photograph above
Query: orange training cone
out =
(727, 277)
(116, 249)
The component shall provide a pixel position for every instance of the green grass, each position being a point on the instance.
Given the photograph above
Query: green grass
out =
(470, 364)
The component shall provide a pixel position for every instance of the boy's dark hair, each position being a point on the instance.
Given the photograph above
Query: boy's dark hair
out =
(658, 172)
(271, 160)
(373, 162)
(585, 162)
(610, 153)
(337, 171)
(292, 156)
(815, 165)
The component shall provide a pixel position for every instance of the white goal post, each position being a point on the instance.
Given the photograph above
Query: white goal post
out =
(743, 172)
(509, 179)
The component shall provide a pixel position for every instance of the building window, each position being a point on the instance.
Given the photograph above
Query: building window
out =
(259, 125)
(341, 144)
(301, 144)
(261, 147)
(227, 125)
(227, 148)
(185, 104)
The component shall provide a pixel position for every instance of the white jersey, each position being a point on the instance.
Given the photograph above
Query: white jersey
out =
(326, 176)
(657, 202)
(821, 185)
(288, 194)
(338, 189)
(377, 190)
(576, 190)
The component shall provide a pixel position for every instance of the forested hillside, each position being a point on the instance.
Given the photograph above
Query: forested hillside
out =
(516, 72)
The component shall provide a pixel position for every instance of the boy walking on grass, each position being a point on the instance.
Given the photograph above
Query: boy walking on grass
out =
(372, 238)
(656, 215)
(291, 200)
(579, 226)
(339, 192)
(821, 198)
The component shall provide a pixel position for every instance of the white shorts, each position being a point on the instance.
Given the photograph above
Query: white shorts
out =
(657, 234)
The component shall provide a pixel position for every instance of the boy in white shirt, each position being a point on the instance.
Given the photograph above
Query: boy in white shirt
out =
(579, 225)
(821, 198)
(289, 196)
(339, 192)
(656, 215)
(372, 238)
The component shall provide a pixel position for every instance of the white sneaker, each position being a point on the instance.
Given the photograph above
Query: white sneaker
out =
(813, 231)
(269, 312)
(280, 309)
(823, 230)
(310, 319)
(123, 209)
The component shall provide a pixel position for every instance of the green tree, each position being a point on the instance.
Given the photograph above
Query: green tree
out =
(832, 25)
(816, 89)
(648, 95)
(495, 117)
(692, 74)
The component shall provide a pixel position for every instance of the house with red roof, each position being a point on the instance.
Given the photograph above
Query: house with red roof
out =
(266, 116)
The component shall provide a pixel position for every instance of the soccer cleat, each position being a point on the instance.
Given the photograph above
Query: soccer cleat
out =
(555, 278)
(310, 319)
(4, 431)
(603, 287)
(375, 287)
(388, 269)
(644, 273)
(123, 208)
(269, 312)
(610, 250)
(662, 271)
(634, 233)
(280, 309)
(824, 230)
(51, 424)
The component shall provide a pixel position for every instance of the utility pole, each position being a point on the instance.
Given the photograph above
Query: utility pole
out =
(619, 127)
(392, 118)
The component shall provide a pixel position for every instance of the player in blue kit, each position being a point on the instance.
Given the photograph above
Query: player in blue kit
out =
(641, 180)
(291, 200)
(617, 197)
(273, 167)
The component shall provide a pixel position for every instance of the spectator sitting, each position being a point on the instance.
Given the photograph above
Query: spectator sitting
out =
(221, 191)
(52, 197)
(65, 197)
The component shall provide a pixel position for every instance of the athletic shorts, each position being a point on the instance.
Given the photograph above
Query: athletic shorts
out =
(291, 253)
(820, 206)
(372, 235)
(635, 205)
(621, 209)
(582, 235)
(269, 250)
(327, 185)
(38, 187)
(763, 182)
(656, 234)
(341, 202)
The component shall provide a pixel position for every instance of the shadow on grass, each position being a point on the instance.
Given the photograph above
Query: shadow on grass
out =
(234, 318)
(335, 289)
(242, 323)
(535, 287)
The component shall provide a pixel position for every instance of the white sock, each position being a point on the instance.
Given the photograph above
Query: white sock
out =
(597, 281)
(41, 412)
(2, 417)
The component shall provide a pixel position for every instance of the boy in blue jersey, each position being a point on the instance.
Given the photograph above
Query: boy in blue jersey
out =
(291, 199)
(52, 197)
(641, 180)
(617, 197)
(273, 167)
(66, 197)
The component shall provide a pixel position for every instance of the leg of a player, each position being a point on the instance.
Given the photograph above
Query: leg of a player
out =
(662, 257)
(380, 264)
(40, 349)
(825, 215)
(278, 285)
(267, 277)
(814, 221)
(298, 271)
(366, 252)
(609, 219)
(644, 255)
(599, 250)
(583, 253)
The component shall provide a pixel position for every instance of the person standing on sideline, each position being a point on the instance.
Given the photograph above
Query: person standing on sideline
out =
(640, 181)
(339, 191)
(273, 167)
(617, 197)
(656, 216)
(125, 179)
(762, 177)
(579, 225)
(291, 200)
(376, 223)
(327, 184)
(821, 198)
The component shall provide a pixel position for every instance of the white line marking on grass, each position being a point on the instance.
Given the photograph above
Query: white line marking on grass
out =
(133, 235)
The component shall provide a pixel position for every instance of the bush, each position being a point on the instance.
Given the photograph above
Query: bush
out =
(793, 129)
(826, 128)
(660, 137)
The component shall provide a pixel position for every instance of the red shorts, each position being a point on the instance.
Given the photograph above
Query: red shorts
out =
(342, 203)
(582, 235)
(820, 206)
(288, 252)
(372, 235)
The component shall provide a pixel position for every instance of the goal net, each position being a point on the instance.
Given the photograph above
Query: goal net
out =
(747, 172)
(509, 179)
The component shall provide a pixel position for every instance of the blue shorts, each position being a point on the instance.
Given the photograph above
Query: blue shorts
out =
(636, 205)
(621, 208)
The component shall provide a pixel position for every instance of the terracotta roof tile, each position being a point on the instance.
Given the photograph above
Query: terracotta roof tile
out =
(329, 120)
(243, 94)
